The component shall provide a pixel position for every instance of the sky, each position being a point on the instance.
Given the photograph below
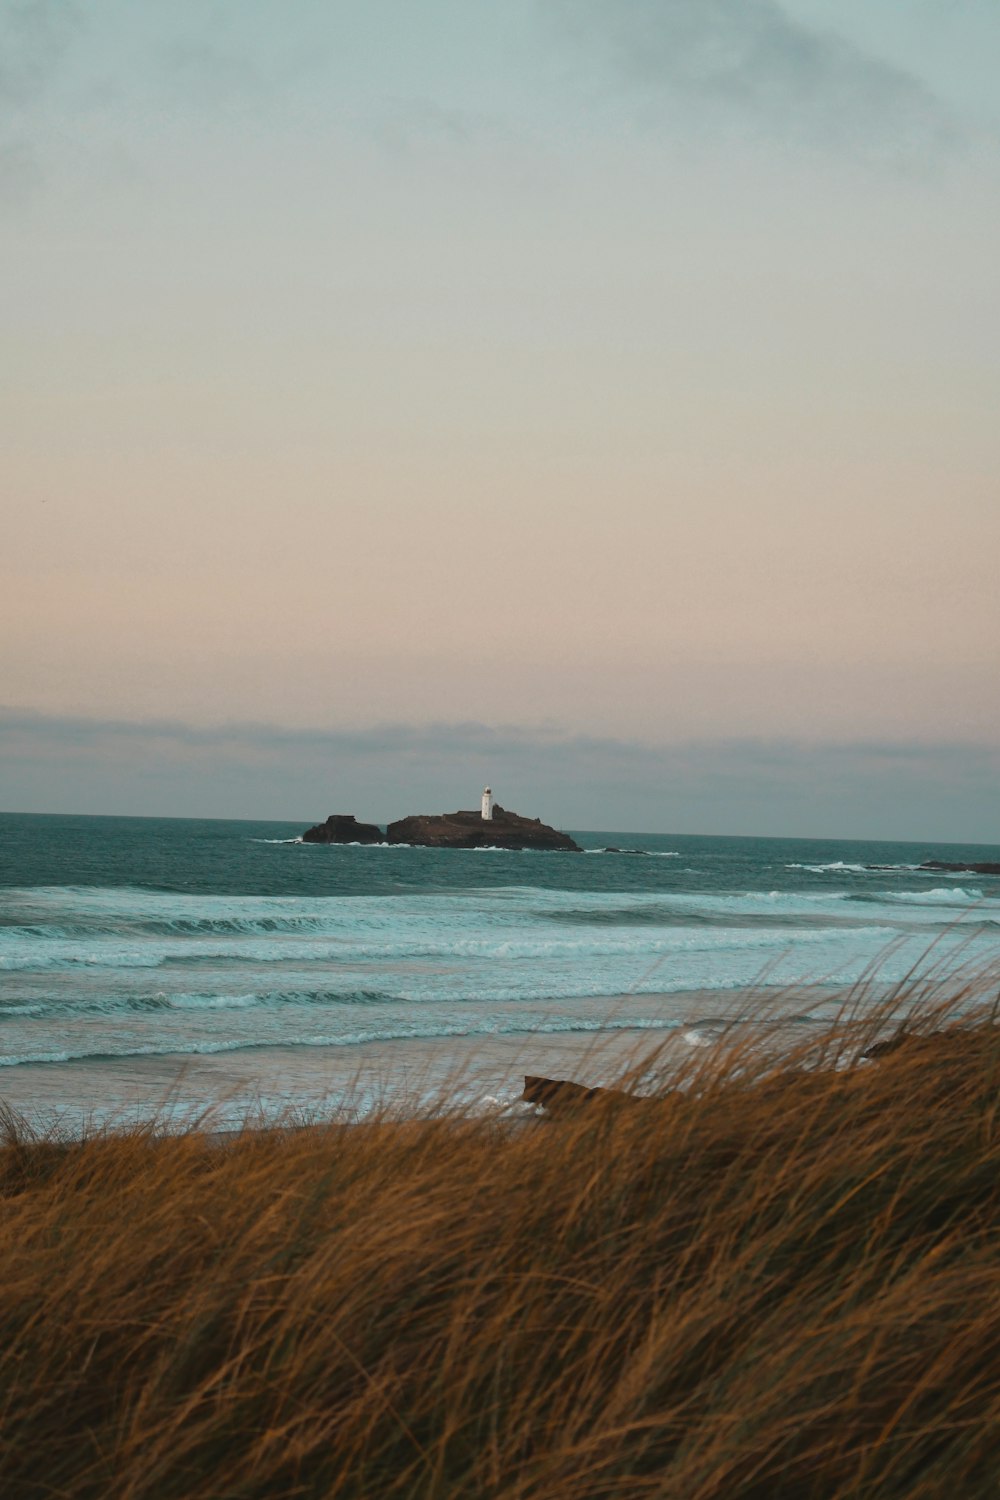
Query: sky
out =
(594, 397)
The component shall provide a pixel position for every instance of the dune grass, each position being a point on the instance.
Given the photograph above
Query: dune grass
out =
(778, 1280)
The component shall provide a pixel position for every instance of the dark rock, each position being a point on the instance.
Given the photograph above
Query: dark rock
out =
(343, 828)
(961, 867)
(886, 1045)
(940, 1046)
(469, 830)
(559, 1096)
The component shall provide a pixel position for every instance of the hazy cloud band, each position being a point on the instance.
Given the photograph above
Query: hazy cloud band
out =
(857, 789)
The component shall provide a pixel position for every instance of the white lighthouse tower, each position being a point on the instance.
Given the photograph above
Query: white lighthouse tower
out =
(487, 804)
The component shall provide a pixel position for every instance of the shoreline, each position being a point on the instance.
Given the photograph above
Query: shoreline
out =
(270, 1085)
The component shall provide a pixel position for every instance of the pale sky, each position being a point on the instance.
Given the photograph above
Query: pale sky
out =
(617, 373)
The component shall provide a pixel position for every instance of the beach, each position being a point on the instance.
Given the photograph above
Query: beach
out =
(173, 968)
(470, 1075)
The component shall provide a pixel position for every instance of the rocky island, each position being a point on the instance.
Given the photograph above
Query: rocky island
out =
(961, 867)
(470, 830)
(492, 828)
(343, 828)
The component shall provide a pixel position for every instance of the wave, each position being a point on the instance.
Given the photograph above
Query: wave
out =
(162, 1003)
(81, 929)
(939, 896)
(441, 947)
(844, 867)
(695, 1038)
(77, 911)
(652, 853)
(835, 866)
(202, 1047)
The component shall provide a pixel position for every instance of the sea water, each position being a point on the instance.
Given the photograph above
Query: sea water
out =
(128, 945)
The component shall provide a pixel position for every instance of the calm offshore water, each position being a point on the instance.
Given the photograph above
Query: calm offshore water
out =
(127, 938)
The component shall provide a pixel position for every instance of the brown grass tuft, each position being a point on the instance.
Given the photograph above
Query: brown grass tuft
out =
(780, 1280)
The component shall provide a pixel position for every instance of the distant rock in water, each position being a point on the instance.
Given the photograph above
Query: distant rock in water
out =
(960, 867)
(457, 830)
(470, 830)
(343, 828)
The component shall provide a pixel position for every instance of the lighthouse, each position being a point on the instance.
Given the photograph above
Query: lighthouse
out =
(487, 804)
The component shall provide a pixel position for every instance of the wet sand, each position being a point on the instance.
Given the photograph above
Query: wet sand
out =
(266, 1085)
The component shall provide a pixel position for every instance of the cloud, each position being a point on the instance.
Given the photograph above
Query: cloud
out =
(34, 36)
(859, 789)
(752, 62)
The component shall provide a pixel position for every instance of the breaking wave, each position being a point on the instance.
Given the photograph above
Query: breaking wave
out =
(358, 1037)
(939, 896)
(118, 971)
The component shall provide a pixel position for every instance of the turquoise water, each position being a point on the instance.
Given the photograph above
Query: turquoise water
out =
(140, 938)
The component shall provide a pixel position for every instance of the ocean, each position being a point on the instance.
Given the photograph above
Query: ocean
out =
(165, 967)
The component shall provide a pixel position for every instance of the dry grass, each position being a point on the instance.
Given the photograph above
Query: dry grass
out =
(779, 1281)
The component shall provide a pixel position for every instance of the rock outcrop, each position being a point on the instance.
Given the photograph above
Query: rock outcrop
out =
(560, 1097)
(469, 830)
(951, 1043)
(961, 867)
(343, 828)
